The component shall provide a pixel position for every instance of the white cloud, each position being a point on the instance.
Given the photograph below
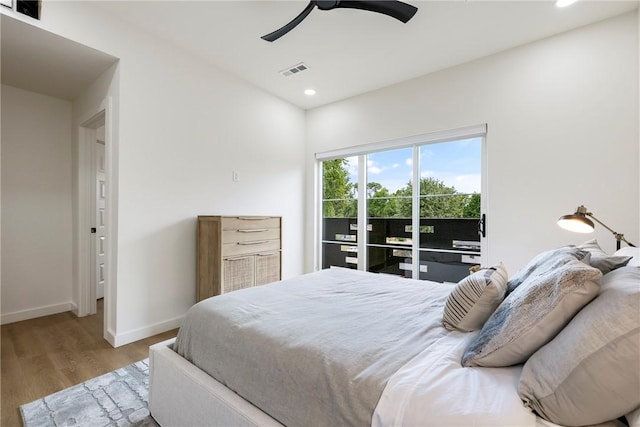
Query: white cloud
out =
(373, 168)
(467, 183)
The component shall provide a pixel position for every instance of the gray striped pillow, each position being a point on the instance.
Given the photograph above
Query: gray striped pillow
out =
(475, 298)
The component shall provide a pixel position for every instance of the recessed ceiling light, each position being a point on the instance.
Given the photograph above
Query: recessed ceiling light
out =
(309, 92)
(565, 3)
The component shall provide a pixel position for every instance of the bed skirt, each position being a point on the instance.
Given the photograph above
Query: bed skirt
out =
(182, 394)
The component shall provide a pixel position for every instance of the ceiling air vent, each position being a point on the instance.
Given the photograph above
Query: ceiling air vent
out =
(290, 71)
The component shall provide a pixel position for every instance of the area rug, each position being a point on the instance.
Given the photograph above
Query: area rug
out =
(118, 398)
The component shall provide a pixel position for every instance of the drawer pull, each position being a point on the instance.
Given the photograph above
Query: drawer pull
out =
(257, 230)
(238, 258)
(249, 218)
(268, 254)
(257, 242)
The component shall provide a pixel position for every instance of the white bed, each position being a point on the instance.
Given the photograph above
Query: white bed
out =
(430, 389)
(183, 395)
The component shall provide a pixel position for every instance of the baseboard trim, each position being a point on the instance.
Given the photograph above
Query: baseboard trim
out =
(145, 332)
(32, 313)
(110, 336)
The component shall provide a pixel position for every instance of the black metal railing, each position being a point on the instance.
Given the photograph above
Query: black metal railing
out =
(447, 247)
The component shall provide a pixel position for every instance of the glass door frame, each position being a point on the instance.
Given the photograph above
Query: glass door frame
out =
(415, 142)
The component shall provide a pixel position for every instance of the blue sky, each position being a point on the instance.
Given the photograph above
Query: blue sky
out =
(456, 163)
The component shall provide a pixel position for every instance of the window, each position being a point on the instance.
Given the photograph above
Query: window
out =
(419, 203)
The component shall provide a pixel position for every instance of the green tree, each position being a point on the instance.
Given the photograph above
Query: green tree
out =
(472, 207)
(338, 191)
(380, 203)
(437, 200)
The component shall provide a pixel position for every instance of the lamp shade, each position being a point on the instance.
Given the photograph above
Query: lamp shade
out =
(577, 222)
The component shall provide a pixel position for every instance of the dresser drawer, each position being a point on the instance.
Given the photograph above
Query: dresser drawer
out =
(239, 273)
(267, 267)
(249, 247)
(250, 234)
(250, 222)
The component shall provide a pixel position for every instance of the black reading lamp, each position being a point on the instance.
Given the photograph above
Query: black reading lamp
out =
(579, 223)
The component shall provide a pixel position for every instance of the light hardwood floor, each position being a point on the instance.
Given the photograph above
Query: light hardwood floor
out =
(45, 355)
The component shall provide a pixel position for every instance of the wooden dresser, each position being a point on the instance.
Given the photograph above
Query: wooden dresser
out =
(236, 252)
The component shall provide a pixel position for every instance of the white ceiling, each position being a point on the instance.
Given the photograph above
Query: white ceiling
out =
(42, 62)
(348, 51)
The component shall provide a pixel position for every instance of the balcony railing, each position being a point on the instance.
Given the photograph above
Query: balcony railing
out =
(447, 247)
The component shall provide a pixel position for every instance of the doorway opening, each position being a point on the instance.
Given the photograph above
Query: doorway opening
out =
(93, 226)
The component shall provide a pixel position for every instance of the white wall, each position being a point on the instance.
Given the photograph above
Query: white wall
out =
(36, 205)
(562, 117)
(183, 127)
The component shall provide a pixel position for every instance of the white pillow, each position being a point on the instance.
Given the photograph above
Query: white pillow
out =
(632, 252)
(588, 373)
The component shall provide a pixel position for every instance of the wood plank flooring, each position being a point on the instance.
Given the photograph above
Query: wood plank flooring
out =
(41, 356)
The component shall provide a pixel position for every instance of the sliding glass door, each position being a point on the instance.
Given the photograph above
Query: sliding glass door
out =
(420, 206)
(449, 209)
(389, 211)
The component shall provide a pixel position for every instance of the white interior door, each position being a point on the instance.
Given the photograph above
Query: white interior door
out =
(100, 220)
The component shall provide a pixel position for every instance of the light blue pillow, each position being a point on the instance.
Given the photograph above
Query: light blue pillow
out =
(546, 261)
(532, 315)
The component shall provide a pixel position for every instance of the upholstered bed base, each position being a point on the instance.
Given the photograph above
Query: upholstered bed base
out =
(181, 394)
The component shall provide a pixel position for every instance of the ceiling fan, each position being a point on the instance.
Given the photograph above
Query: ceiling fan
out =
(396, 9)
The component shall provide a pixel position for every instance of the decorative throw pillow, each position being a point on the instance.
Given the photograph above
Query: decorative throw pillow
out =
(630, 251)
(590, 372)
(546, 261)
(532, 315)
(475, 298)
(601, 260)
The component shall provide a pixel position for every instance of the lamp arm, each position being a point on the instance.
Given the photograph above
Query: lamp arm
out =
(619, 236)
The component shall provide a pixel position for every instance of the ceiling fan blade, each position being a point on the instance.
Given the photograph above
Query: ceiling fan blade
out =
(396, 9)
(291, 25)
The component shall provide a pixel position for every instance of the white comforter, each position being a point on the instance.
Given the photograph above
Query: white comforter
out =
(433, 389)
